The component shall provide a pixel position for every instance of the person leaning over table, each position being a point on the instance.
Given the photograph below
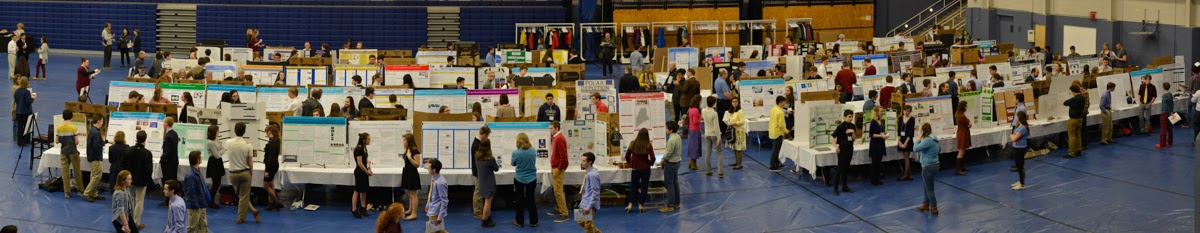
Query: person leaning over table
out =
(1076, 113)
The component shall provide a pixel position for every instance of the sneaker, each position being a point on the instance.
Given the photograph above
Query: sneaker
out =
(775, 170)
(553, 213)
(1015, 184)
(1051, 145)
(98, 197)
(67, 195)
(515, 223)
(1018, 186)
(666, 209)
(562, 219)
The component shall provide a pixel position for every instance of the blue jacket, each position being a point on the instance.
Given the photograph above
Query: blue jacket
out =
(24, 101)
(929, 150)
(195, 192)
(95, 145)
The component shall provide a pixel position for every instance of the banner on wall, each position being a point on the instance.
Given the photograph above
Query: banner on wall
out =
(343, 75)
(489, 99)
(758, 97)
(212, 99)
(386, 137)
(315, 141)
(277, 98)
(394, 75)
(307, 75)
(449, 142)
(431, 100)
(643, 110)
(583, 96)
(263, 74)
(132, 122)
(118, 91)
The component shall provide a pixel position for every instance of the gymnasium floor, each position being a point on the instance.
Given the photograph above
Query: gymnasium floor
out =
(1128, 187)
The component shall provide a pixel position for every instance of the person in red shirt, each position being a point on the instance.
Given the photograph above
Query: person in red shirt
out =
(600, 106)
(558, 167)
(84, 76)
(846, 78)
(885, 93)
(870, 70)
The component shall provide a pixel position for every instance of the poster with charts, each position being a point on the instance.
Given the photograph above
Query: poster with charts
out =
(118, 91)
(356, 56)
(218, 68)
(812, 85)
(307, 75)
(404, 97)
(758, 97)
(192, 137)
(277, 98)
(516, 56)
(317, 141)
(1075, 65)
(481, 74)
(585, 136)
(284, 53)
(386, 141)
(263, 74)
(430, 101)
(937, 112)
(1157, 77)
(343, 74)
(504, 141)
(643, 110)
(174, 92)
(489, 99)
(254, 115)
(434, 59)
(534, 98)
(1020, 71)
(212, 98)
(448, 76)
(583, 96)
(959, 72)
(449, 142)
(132, 122)
(684, 57)
(394, 75)
(538, 72)
(877, 60)
(747, 50)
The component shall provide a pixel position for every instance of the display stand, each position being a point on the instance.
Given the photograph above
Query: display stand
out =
(589, 28)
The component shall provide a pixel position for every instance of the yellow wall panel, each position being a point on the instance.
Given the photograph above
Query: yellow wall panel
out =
(856, 21)
(703, 39)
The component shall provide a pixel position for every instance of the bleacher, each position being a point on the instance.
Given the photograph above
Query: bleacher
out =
(77, 25)
(378, 28)
(491, 26)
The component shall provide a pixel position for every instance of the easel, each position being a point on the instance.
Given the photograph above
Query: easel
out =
(30, 128)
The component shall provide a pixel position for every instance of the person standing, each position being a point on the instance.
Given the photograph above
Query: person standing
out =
(549, 110)
(141, 164)
(95, 157)
(1122, 58)
(670, 166)
(195, 195)
(116, 156)
(558, 169)
(43, 59)
(600, 106)
(1193, 85)
(524, 159)
(486, 167)
(590, 201)
(271, 163)
(136, 42)
(712, 137)
(362, 175)
(843, 135)
(847, 79)
(928, 148)
(607, 46)
(1146, 94)
(907, 128)
(169, 163)
(963, 136)
(636, 60)
(177, 215)
(216, 165)
(1076, 113)
(878, 147)
(952, 91)
(723, 94)
(1166, 137)
(1106, 114)
(476, 199)
(410, 181)
(1020, 139)
(84, 76)
(23, 101)
(737, 120)
(438, 196)
(870, 70)
(777, 128)
(694, 123)
(241, 164)
(123, 204)
(640, 155)
(13, 50)
(123, 46)
(67, 137)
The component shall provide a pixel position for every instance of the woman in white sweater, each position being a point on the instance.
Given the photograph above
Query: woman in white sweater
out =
(43, 58)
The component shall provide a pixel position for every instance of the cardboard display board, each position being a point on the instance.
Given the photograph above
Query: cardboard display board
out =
(263, 74)
(343, 74)
(277, 98)
(284, 53)
(1004, 69)
(206, 116)
(960, 72)
(1120, 95)
(448, 76)
(534, 97)
(585, 136)
(481, 75)
(356, 56)
(307, 75)
(937, 112)
(430, 101)
(434, 59)
(449, 142)
(118, 91)
(815, 121)
(504, 141)
(877, 60)
(643, 110)
(584, 89)
(174, 92)
(490, 99)
(904, 61)
(79, 120)
(239, 55)
(745, 51)
(508, 56)
(1020, 71)
(758, 97)
(254, 115)
(192, 137)
(132, 122)
(1051, 106)
(684, 57)
(394, 75)
(404, 97)
(387, 139)
(537, 71)
(331, 95)
(802, 86)
(212, 98)
(315, 141)
(1006, 102)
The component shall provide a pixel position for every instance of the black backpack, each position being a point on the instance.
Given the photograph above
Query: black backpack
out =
(52, 185)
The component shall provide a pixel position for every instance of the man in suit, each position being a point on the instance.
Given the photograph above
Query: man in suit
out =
(575, 59)
(368, 99)
(137, 40)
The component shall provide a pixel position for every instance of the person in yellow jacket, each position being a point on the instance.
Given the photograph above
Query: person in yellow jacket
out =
(648, 80)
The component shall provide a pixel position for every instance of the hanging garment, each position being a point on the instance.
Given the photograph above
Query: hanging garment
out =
(647, 38)
(683, 33)
(569, 39)
(637, 38)
(554, 40)
(662, 41)
(521, 40)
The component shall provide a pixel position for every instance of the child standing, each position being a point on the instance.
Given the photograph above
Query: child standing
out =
(43, 58)
(590, 202)
(1020, 139)
(844, 136)
(1166, 137)
(693, 123)
(712, 137)
(438, 199)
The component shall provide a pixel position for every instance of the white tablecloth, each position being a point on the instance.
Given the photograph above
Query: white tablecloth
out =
(51, 159)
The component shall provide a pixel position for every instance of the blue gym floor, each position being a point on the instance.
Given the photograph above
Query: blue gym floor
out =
(1127, 187)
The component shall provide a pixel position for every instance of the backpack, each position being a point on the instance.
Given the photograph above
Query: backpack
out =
(52, 185)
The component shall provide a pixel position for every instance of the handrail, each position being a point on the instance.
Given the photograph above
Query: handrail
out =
(921, 21)
(936, 15)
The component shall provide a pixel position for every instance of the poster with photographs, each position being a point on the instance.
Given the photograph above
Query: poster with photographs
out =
(395, 75)
(815, 122)
(758, 97)
(585, 136)
(504, 137)
(489, 99)
(132, 122)
(583, 94)
(315, 141)
(937, 112)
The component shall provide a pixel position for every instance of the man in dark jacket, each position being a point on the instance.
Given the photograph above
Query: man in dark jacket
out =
(549, 111)
(313, 104)
(95, 157)
(169, 162)
(689, 89)
(629, 83)
(140, 164)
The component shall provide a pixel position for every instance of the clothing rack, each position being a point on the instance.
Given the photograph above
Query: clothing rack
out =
(709, 27)
(545, 27)
(795, 22)
(586, 29)
(670, 26)
(752, 25)
(629, 28)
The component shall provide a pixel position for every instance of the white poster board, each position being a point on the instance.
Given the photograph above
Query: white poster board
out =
(1120, 95)
(1157, 78)
(449, 142)
(585, 136)
(176, 64)
(254, 115)
(877, 60)
(118, 91)
(434, 59)
(746, 50)
(643, 110)
(315, 141)
(263, 74)
(815, 120)
(356, 56)
(535, 98)
(1004, 69)
(404, 97)
(132, 122)
(192, 137)
(277, 98)
(583, 96)
(489, 99)
(343, 74)
(758, 97)
(212, 99)
(481, 74)
(937, 112)
(240, 55)
(718, 54)
(174, 92)
(307, 75)
(218, 68)
(394, 75)
(431, 100)
(448, 76)
(331, 95)
(504, 141)
(386, 141)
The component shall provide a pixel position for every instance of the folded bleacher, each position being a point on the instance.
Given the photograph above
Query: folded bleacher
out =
(77, 25)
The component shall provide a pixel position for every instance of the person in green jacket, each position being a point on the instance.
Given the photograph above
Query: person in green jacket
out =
(1076, 113)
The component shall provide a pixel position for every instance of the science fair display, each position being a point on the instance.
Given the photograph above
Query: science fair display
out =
(752, 67)
(936, 111)
(254, 115)
(386, 138)
(118, 91)
(174, 92)
(331, 95)
(218, 68)
(489, 99)
(434, 59)
(404, 97)
(343, 74)
(502, 73)
(394, 75)
(317, 141)
(263, 74)
(431, 101)
(535, 97)
(356, 56)
(449, 142)
(212, 99)
(504, 137)
(132, 122)
(583, 96)
(277, 98)
(448, 76)
(585, 136)
(684, 57)
(307, 75)
(643, 110)
(538, 72)
(1120, 94)
(758, 97)
(877, 60)
(192, 137)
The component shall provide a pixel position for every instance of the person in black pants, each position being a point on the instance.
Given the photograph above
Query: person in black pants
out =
(107, 36)
(878, 148)
(606, 54)
(169, 163)
(123, 45)
(524, 159)
(844, 136)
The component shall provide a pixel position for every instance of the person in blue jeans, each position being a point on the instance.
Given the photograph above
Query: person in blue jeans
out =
(670, 166)
(1020, 144)
(929, 148)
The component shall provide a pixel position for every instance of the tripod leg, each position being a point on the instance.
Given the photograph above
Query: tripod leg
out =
(20, 153)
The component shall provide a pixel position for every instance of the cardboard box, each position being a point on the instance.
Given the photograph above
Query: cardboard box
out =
(995, 58)
(570, 68)
(964, 54)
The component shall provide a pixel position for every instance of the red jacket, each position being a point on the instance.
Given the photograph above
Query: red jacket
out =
(847, 79)
(885, 96)
(639, 161)
(870, 70)
(558, 152)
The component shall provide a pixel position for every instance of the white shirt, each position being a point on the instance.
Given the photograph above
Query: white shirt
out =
(295, 106)
(1196, 99)
(12, 47)
(237, 149)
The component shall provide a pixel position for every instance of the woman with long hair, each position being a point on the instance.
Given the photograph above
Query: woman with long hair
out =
(963, 136)
(640, 156)
(216, 166)
(388, 221)
(362, 175)
(271, 162)
(410, 181)
(737, 120)
(929, 150)
(505, 110)
(187, 103)
(348, 109)
(477, 112)
(122, 204)
(878, 147)
(158, 96)
(124, 47)
(1020, 144)
(486, 167)
(524, 159)
(335, 111)
(906, 126)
